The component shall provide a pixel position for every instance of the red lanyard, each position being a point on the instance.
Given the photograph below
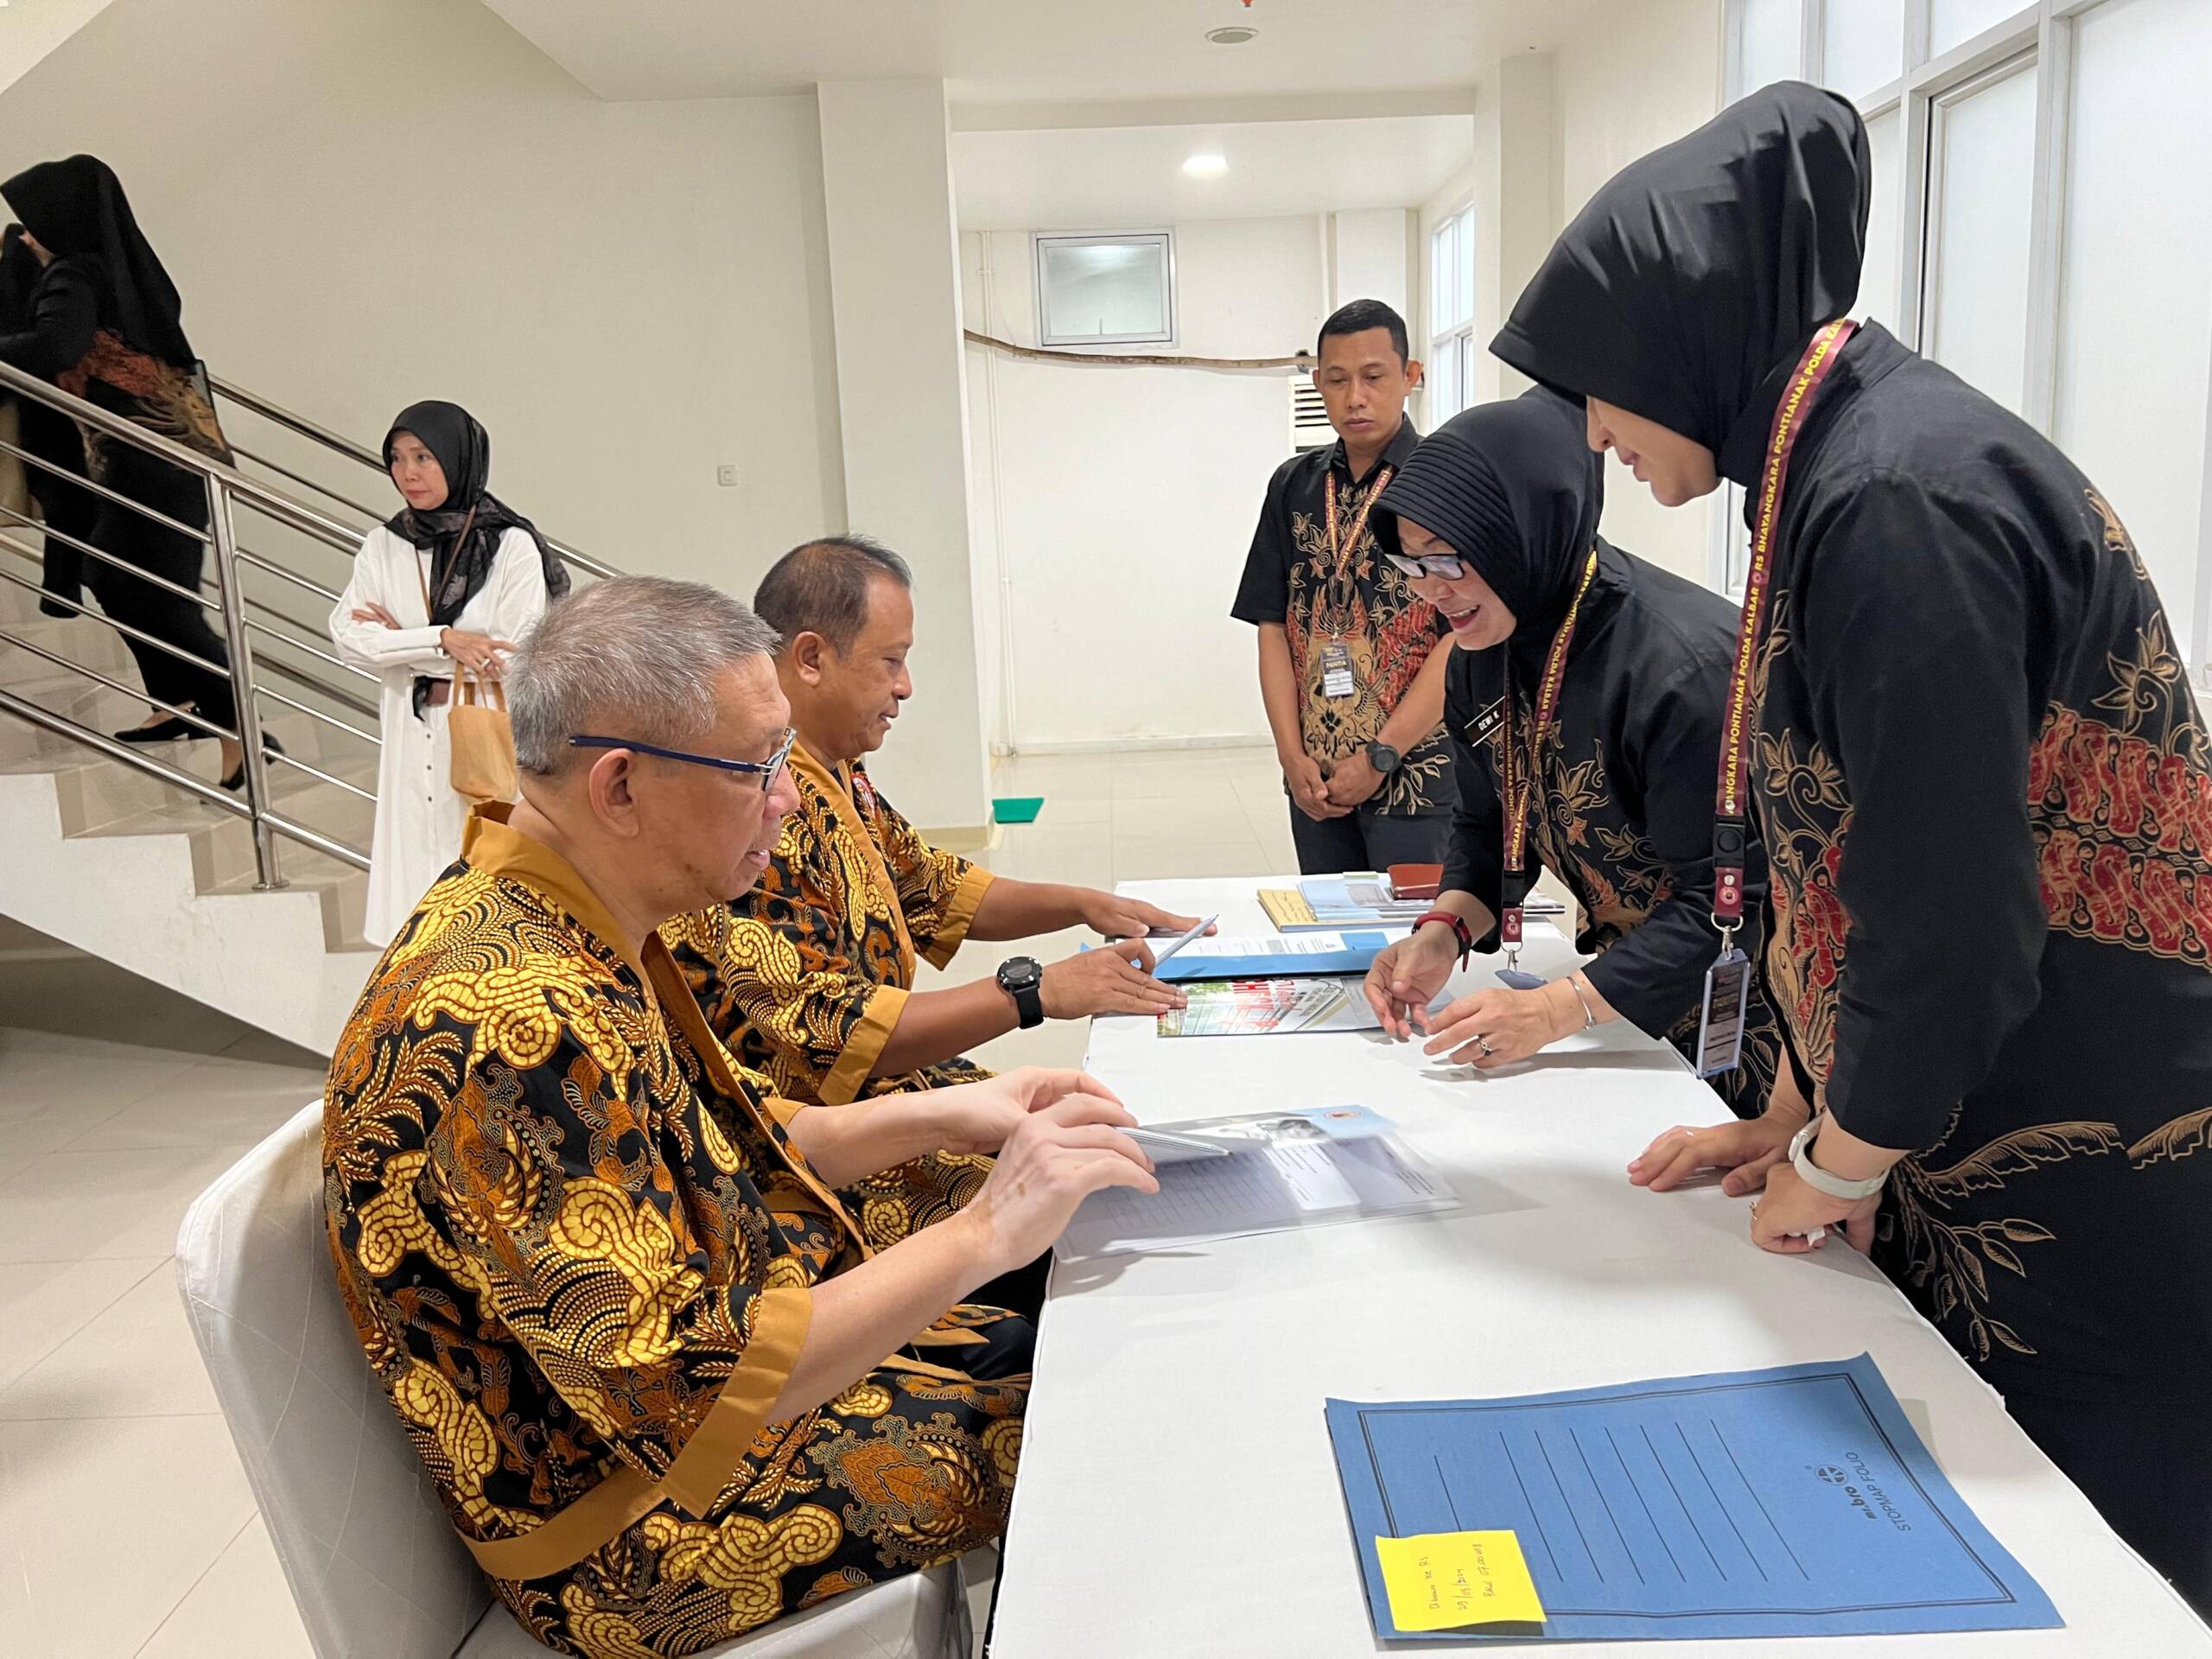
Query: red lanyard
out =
(1342, 550)
(1515, 791)
(1731, 814)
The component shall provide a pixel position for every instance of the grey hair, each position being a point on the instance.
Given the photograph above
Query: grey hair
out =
(632, 657)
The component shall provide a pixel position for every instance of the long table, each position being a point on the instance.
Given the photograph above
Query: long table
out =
(1177, 1495)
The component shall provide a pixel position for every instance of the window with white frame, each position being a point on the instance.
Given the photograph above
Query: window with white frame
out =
(1451, 355)
(2028, 231)
(1106, 289)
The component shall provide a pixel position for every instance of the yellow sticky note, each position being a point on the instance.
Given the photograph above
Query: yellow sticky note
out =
(1442, 1580)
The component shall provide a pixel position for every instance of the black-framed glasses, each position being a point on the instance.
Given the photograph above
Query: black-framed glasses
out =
(768, 770)
(1445, 567)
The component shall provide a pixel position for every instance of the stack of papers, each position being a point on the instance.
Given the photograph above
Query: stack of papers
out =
(1265, 956)
(1267, 1007)
(1791, 1502)
(1284, 1170)
(1358, 897)
(1293, 910)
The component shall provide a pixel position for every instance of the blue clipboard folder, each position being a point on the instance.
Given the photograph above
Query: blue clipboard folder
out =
(1344, 953)
(1791, 1502)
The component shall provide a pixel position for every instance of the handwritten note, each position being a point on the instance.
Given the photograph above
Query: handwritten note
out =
(1442, 1580)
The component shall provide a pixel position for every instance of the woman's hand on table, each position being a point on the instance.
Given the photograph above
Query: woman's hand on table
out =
(1791, 1215)
(1498, 1027)
(1406, 977)
(1747, 1148)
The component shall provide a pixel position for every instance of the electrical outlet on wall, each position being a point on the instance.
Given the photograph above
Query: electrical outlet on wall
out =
(726, 475)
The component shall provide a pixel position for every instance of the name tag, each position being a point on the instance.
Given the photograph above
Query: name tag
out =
(1720, 1022)
(1485, 725)
(1336, 670)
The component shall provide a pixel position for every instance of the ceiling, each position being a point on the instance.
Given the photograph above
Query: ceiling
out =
(991, 50)
(1088, 178)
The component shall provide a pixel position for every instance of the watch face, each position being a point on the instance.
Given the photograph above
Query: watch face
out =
(1020, 973)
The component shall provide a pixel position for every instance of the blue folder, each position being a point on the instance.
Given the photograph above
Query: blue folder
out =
(1791, 1502)
(1356, 957)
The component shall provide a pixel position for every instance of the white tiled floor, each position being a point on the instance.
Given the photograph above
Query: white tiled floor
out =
(126, 1528)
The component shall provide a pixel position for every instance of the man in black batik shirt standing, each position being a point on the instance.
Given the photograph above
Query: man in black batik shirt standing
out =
(1351, 662)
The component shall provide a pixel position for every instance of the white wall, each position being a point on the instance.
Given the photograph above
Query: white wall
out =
(1117, 503)
(365, 205)
(1649, 74)
(887, 182)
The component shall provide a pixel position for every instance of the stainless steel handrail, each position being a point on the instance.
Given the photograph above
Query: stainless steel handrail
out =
(359, 453)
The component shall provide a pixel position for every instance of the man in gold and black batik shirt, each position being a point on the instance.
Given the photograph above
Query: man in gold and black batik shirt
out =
(1351, 659)
(664, 1387)
(810, 977)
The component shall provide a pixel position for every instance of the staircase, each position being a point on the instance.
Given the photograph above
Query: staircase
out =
(252, 906)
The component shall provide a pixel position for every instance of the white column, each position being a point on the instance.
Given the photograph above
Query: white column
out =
(894, 289)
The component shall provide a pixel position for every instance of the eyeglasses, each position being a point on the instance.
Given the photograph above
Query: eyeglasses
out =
(768, 770)
(1445, 567)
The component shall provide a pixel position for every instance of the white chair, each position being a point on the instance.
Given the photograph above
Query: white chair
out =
(371, 1559)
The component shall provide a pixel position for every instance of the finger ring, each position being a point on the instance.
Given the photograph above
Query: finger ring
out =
(1483, 1043)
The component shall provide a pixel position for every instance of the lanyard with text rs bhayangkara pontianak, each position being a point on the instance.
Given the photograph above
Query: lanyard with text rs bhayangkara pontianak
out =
(1728, 982)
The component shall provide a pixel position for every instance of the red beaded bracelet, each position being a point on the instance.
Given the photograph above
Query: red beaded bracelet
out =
(1459, 926)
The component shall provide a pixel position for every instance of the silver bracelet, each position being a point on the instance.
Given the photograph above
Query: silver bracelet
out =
(1589, 1018)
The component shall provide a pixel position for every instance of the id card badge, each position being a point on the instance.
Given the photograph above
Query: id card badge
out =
(1336, 670)
(1520, 979)
(1721, 1023)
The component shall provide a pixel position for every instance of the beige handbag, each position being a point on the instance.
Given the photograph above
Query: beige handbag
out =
(482, 740)
(478, 731)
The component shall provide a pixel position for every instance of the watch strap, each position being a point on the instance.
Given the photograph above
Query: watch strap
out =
(1459, 931)
(1836, 1186)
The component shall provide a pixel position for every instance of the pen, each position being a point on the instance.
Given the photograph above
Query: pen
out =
(1174, 946)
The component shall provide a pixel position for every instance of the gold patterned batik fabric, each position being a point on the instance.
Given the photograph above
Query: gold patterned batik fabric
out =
(804, 977)
(579, 1250)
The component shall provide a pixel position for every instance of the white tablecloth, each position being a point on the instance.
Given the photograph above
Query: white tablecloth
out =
(1178, 1494)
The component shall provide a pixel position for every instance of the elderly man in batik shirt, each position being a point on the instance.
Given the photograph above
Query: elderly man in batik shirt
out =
(665, 1389)
(810, 977)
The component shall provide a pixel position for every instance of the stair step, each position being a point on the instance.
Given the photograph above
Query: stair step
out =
(344, 892)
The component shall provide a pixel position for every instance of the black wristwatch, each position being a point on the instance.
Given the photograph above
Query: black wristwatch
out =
(1383, 757)
(1023, 979)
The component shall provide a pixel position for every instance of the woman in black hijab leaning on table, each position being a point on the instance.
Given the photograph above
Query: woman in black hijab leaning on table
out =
(1495, 519)
(1983, 784)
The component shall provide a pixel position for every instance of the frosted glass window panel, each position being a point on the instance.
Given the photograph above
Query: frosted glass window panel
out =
(1862, 45)
(1978, 304)
(1095, 290)
(1878, 277)
(2134, 306)
(1952, 21)
(1466, 234)
(1452, 286)
(1769, 43)
(1445, 395)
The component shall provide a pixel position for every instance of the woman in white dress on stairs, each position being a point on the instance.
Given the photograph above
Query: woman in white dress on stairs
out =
(456, 577)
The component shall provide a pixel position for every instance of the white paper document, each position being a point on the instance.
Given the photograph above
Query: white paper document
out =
(1286, 1170)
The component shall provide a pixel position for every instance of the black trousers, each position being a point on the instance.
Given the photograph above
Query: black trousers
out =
(2147, 1468)
(1366, 840)
(152, 547)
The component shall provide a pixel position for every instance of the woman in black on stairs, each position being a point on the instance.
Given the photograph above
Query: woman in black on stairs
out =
(104, 325)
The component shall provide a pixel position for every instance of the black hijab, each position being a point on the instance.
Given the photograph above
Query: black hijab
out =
(1516, 490)
(464, 451)
(77, 210)
(19, 274)
(1686, 290)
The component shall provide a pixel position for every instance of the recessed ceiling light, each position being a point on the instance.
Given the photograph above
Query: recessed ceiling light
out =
(1207, 165)
(1235, 35)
